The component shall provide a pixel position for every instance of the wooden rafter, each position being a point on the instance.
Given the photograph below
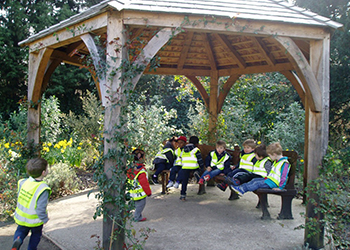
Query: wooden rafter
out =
(209, 51)
(264, 50)
(231, 50)
(297, 84)
(184, 52)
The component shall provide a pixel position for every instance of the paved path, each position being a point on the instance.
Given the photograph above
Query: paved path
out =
(208, 221)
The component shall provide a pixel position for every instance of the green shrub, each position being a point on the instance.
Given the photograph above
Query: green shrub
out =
(62, 180)
(333, 189)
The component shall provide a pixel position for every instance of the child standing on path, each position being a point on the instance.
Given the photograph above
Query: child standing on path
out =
(276, 179)
(216, 162)
(137, 177)
(191, 161)
(33, 196)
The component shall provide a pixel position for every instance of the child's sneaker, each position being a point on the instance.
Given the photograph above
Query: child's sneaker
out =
(222, 186)
(183, 198)
(170, 184)
(177, 184)
(201, 182)
(16, 244)
(155, 179)
(143, 219)
(236, 182)
(238, 189)
(207, 177)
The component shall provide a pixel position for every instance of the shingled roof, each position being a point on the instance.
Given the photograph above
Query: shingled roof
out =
(264, 10)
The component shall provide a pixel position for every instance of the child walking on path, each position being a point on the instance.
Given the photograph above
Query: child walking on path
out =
(32, 199)
(216, 162)
(276, 179)
(137, 177)
(191, 161)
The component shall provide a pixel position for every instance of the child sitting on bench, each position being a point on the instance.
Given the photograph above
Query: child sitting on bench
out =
(276, 179)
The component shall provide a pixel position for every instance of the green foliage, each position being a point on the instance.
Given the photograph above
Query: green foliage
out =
(339, 66)
(62, 180)
(50, 119)
(289, 129)
(149, 125)
(86, 126)
(333, 188)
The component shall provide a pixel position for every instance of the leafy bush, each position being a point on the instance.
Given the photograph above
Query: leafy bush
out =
(149, 126)
(289, 129)
(333, 188)
(62, 180)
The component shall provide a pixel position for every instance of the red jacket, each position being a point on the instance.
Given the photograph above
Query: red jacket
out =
(142, 178)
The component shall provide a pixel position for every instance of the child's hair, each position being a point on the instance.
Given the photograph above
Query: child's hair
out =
(260, 151)
(194, 140)
(172, 138)
(250, 143)
(36, 166)
(274, 148)
(221, 143)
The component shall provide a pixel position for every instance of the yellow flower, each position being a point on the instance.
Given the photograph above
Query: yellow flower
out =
(80, 143)
(287, 149)
(7, 145)
(259, 142)
(94, 157)
(78, 148)
(301, 160)
(46, 149)
(49, 144)
(62, 151)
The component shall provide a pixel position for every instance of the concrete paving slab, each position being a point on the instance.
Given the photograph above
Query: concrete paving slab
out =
(208, 221)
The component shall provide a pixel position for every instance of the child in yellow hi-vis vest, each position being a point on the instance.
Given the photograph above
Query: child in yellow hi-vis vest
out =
(141, 189)
(33, 197)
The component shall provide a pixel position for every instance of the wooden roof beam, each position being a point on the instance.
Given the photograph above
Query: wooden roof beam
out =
(304, 71)
(185, 49)
(225, 90)
(59, 55)
(231, 50)
(209, 51)
(297, 84)
(201, 90)
(264, 50)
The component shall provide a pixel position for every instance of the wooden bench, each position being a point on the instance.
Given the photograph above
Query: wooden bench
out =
(164, 176)
(287, 194)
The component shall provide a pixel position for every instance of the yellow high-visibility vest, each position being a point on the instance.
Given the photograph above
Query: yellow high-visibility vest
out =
(246, 162)
(189, 159)
(28, 194)
(137, 192)
(218, 163)
(259, 167)
(275, 173)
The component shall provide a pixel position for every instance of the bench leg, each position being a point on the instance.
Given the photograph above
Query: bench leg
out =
(233, 195)
(201, 189)
(164, 178)
(286, 208)
(263, 205)
(258, 205)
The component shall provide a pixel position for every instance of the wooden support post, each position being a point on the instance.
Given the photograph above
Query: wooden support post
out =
(318, 136)
(115, 55)
(37, 66)
(213, 107)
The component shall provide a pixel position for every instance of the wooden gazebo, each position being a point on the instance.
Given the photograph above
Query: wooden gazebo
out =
(194, 38)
